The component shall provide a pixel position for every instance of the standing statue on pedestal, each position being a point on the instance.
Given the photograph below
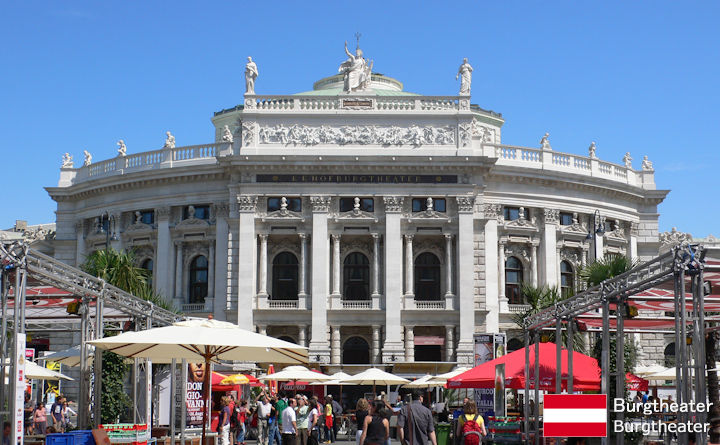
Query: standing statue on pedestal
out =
(465, 75)
(592, 149)
(88, 158)
(227, 134)
(355, 69)
(251, 73)
(67, 161)
(169, 140)
(627, 160)
(545, 142)
(647, 164)
(122, 149)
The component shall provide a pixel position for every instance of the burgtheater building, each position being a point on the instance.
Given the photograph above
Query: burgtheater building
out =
(371, 224)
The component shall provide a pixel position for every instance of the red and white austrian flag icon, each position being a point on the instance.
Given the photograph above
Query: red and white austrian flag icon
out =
(575, 415)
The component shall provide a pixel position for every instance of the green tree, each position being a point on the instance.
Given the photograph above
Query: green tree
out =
(598, 271)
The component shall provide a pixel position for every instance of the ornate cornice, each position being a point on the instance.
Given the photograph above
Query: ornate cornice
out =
(221, 209)
(247, 203)
(551, 216)
(162, 212)
(492, 211)
(320, 203)
(393, 204)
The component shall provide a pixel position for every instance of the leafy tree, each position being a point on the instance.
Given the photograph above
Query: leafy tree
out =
(598, 271)
(115, 401)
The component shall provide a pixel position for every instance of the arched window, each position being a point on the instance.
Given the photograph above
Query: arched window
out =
(567, 279)
(427, 277)
(356, 351)
(514, 344)
(285, 277)
(513, 280)
(148, 265)
(356, 277)
(670, 355)
(198, 280)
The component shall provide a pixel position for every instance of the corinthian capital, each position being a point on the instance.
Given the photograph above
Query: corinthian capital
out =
(247, 203)
(551, 216)
(393, 204)
(492, 211)
(320, 203)
(465, 203)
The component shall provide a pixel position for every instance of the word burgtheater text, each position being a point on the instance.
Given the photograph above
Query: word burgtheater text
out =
(658, 426)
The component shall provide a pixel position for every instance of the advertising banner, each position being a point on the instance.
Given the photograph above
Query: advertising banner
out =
(19, 382)
(195, 400)
(500, 390)
(484, 351)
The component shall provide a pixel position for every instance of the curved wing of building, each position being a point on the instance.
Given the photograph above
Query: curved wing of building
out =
(371, 224)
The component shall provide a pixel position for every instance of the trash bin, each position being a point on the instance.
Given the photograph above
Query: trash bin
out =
(442, 431)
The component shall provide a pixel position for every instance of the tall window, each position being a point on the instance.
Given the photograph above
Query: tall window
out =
(293, 204)
(366, 204)
(670, 355)
(421, 204)
(427, 277)
(198, 280)
(356, 351)
(511, 213)
(567, 279)
(566, 219)
(148, 265)
(356, 277)
(285, 277)
(147, 216)
(513, 280)
(199, 212)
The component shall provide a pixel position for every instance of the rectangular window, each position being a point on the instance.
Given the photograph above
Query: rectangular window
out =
(348, 204)
(511, 213)
(420, 204)
(147, 216)
(200, 212)
(293, 204)
(566, 219)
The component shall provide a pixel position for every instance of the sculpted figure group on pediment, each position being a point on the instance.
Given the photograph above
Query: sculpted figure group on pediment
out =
(357, 134)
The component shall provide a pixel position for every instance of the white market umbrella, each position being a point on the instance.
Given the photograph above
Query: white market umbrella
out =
(374, 376)
(426, 381)
(34, 371)
(68, 357)
(203, 340)
(646, 370)
(296, 374)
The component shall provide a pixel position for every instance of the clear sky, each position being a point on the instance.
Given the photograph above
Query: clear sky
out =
(637, 76)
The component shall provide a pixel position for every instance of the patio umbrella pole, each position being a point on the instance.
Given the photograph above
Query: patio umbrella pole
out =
(206, 395)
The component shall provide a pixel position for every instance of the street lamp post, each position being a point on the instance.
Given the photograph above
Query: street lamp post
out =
(597, 228)
(111, 230)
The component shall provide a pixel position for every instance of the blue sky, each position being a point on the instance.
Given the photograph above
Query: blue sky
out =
(632, 76)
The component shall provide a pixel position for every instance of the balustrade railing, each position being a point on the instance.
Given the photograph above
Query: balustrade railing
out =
(193, 308)
(283, 304)
(328, 103)
(356, 304)
(430, 304)
(518, 308)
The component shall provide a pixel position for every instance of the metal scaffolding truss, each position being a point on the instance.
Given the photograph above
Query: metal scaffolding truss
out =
(93, 295)
(660, 281)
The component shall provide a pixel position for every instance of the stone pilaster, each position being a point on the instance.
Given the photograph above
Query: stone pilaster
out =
(247, 247)
(393, 346)
(320, 253)
(466, 279)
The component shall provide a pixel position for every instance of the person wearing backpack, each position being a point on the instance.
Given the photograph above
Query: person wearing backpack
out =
(471, 426)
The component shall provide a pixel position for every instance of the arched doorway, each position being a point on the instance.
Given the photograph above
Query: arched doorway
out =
(356, 351)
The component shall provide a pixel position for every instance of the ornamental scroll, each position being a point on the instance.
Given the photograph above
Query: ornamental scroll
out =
(358, 135)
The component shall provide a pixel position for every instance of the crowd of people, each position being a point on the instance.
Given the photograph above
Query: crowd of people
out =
(41, 419)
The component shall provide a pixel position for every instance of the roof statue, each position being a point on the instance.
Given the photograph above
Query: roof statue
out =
(122, 149)
(227, 134)
(545, 142)
(251, 73)
(627, 160)
(88, 158)
(356, 71)
(67, 161)
(591, 150)
(465, 75)
(169, 140)
(647, 163)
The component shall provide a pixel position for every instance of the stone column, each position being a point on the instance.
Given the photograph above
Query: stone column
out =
(262, 284)
(179, 272)
(409, 267)
(335, 346)
(393, 277)
(501, 271)
(376, 265)
(302, 336)
(449, 340)
(79, 242)
(584, 256)
(211, 272)
(247, 251)
(164, 258)
(448, 265)
(409, 344)
(375, 357)
(262, 329)
(492, 322)
(320, 260)
(534, 264)
(336, 264)
(549, 247)
(633, 241)
(302, 287)
(466, 277)
(222, 232)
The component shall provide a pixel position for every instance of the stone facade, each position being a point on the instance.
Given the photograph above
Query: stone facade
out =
(374, 226)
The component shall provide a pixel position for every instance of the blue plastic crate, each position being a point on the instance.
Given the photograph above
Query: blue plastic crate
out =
(78, 437)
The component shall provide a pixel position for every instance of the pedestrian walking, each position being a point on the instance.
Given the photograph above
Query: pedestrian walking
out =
(289, 423)
(415, 422)
(314, 422)
(67, 412)
(375, 427)
(224, 421)
(56, 415)
(263, 411)
(303, 414)
(337, 416)
(329, 433)
(470, 427)
(273, 430)
(361, 411)
(39, 419)
(240, 416)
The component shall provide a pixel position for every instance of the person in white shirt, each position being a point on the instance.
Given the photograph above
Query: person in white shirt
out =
(263, 409)
(289, 423)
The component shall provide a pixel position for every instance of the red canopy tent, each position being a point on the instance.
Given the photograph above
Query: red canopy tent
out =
(586, 372)
(635, 383)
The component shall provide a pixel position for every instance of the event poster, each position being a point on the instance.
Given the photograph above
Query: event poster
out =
(500, 402)
(19, 382)
(484, 351)
(195, 401)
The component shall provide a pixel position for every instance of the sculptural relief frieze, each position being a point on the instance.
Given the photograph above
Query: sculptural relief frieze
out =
(304, 135)
(485, 133)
